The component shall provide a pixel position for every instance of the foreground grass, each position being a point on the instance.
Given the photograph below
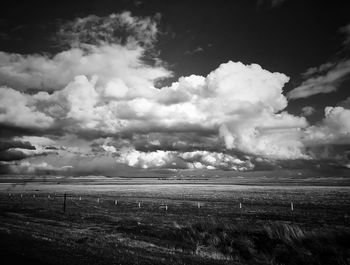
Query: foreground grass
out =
(36, 231)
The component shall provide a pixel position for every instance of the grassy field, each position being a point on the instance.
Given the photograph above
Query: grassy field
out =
(155, 223)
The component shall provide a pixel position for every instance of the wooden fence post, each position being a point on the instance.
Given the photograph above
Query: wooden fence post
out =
(64, 202)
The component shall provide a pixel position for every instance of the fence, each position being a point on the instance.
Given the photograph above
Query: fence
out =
(65, 199)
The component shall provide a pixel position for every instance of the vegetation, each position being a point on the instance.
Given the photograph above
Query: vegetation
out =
(264, 231)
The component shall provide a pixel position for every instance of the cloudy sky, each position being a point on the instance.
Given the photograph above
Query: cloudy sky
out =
(119, 87)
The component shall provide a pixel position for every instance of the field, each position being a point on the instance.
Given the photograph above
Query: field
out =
(150, 221)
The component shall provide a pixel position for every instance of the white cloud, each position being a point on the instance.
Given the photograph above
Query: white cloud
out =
(105, 92)
(184, 160)
(333, 129)
(110, 62)
(95, 47)
(109, 148)
(323, 82)
(17, 109)
(155, 159)
(243, 99)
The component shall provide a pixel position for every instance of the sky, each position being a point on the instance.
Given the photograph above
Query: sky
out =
(123, 87)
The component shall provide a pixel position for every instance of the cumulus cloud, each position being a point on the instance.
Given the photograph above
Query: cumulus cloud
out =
(103, 105)
(114, 64)
(334, 128)
(111, 47)
(17, 109)
(240, 103)
(182, 160)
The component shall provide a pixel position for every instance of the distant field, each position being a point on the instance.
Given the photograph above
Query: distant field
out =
(157, 222)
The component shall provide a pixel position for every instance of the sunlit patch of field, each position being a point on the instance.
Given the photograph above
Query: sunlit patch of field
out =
(160, 223)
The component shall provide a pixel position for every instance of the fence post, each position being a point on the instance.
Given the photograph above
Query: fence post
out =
(64, 202)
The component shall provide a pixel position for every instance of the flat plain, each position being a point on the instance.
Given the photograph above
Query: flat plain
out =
(167, 221)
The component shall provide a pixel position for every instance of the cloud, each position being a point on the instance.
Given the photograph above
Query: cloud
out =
(196, 50)
(121, 28)
(345, 103)
(185, 160)
(11, 149)
(307, 111)
(333, 129)
(27, 168)
(21, 148)
(346, 31)
(238, 102)
(9, 143)
(104, 106)
(18, 109)
(112, 47)
(324, 79)
(113, 64)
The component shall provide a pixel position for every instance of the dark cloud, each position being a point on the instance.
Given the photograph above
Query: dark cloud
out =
(11, 155)
(9, 152)
(8, 144)
(51, 148)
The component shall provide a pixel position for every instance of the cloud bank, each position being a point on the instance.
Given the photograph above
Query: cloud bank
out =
(97, 100)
